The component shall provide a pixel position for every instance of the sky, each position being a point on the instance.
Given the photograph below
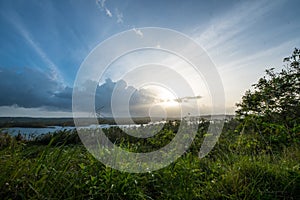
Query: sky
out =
(44, 43)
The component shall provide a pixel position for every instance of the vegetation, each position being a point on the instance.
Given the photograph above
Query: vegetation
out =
(59, 167)
(257, 156)
(272, 109)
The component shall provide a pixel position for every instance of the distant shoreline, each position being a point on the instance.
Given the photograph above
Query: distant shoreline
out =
(39, 122)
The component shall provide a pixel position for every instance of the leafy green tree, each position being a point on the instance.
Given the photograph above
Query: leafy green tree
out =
(272, 107)
(276, 96)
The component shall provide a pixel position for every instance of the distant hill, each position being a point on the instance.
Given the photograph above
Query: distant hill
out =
(6, 122)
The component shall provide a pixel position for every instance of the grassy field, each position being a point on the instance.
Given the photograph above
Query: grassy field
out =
(241, 166)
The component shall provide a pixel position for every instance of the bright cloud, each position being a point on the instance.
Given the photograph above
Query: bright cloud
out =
(108, 13)
(138, 32)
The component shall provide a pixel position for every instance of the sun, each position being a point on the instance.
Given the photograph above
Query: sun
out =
(164, 97)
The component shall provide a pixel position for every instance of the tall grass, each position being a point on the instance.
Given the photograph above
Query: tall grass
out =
(59, 167)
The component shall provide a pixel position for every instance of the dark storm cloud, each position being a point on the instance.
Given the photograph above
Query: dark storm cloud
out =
(138, 101)
(31, 88)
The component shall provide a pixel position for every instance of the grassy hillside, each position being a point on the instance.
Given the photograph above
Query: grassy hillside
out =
(241, 166)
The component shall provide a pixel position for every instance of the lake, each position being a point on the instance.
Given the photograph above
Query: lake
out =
(30, 132)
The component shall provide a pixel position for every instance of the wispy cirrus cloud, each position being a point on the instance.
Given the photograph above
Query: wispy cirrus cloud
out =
(228, 37)
(101, 4)
(138, 32)
(234, 22)
(263, 56)
(108, 13)
(119, 16)
(185, 99)
(234, 41)
(55, 73)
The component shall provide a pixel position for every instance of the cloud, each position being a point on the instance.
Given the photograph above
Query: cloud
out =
(138, 104)
(119, 16)
(102, 3)
(15, 111)
(27, 88)
(108, 13)
(232, 23)
(31, 88)
(187, 99)
(16, 22)
(103, 7)
(181, 99)
(138, 32)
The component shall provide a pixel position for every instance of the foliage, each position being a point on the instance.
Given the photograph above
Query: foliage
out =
(272, 110)
(276, 96)
(65, 170)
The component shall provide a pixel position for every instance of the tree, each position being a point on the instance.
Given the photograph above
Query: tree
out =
(276, 96)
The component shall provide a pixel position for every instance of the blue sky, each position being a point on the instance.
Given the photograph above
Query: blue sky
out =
(43, 43)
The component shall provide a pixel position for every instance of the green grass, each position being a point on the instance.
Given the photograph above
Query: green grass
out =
(59, 167)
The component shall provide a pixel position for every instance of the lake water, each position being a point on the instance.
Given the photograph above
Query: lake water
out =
(35, 131)
(29, 132)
